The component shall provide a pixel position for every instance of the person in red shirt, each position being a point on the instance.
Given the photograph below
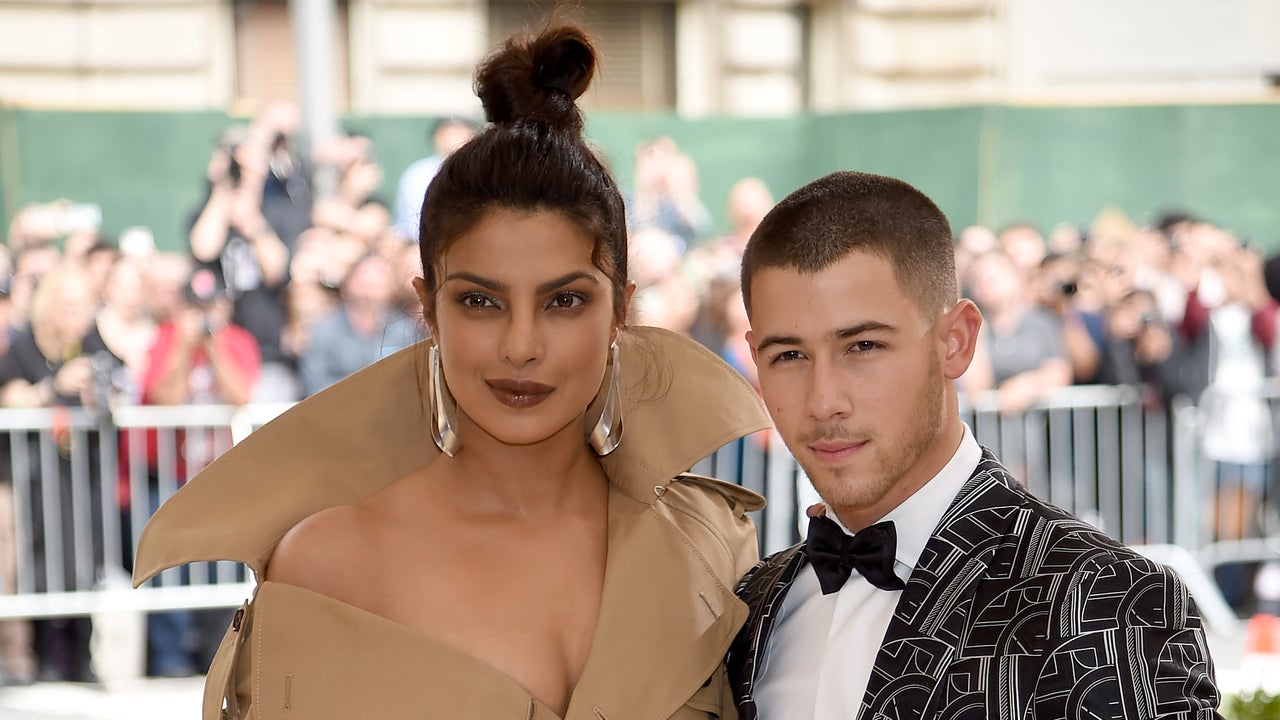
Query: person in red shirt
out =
(198, 357)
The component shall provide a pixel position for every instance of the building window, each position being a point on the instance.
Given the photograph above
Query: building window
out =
(635, 41)
(266, 56)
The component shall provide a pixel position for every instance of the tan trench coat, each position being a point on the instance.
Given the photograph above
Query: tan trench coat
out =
(677, 545)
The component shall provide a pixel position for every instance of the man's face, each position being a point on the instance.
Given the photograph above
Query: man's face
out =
(853, 376)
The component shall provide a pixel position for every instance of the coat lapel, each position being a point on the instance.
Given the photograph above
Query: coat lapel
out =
(763, 590)
(933, 619)
(665, 620)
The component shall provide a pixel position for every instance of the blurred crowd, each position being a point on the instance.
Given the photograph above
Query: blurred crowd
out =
(280, 293)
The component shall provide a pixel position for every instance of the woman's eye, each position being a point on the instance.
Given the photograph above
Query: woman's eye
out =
(567, 300)
(477, 301)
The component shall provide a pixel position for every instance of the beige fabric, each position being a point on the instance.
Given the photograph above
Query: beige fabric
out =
(677, 545)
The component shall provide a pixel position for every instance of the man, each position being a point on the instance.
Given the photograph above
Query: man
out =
(449, 134)
(972, 598)
(364, 328)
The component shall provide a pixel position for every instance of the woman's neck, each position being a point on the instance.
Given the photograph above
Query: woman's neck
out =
(557, 475)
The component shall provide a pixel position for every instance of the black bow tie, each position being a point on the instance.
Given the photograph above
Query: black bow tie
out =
(835, 553)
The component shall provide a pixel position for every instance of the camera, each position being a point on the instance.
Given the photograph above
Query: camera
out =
(234, 172)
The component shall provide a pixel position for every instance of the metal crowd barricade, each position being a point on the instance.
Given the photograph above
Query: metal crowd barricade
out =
(1093, 450)
(84, 485)
(1232, 505)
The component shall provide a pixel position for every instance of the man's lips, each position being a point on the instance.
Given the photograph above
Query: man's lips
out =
(519, 393)
(835, 450)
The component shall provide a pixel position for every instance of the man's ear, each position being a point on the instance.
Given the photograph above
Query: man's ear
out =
(957, 331)
(751, 343)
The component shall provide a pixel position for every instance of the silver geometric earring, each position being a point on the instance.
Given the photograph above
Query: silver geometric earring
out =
(444, 409)
(606, 433)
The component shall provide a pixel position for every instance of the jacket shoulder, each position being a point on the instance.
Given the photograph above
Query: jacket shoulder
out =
(740, 499)
(711, 514)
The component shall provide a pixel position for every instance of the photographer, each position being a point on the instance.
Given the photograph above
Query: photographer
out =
(1061, 287)
(259, 202)
(199, 355)
(1139, 347)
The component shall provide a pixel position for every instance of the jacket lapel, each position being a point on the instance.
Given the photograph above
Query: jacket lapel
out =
(763, 589)
(933, 616)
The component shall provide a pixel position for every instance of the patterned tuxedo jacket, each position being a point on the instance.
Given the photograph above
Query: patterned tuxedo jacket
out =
(1015, 609)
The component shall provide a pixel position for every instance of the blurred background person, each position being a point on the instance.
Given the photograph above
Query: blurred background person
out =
(1024, 245)
(365, 327)
(1021, 353)
(124, 323)
(1139, 348)
(972, 243)
(30, 264)
(664, 193)
(449, 134)
(199, 357)
(663, 296)
(749, 200)
(51, 364)
(1056, 286)
(17, 658)
(259, 201)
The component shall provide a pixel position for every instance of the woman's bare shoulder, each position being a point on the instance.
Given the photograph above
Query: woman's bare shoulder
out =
(339, 551)
(322, 552)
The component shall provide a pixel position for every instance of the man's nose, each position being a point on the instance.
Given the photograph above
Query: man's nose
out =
(826, 396)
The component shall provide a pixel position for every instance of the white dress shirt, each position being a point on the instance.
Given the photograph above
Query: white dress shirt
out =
(823, 647)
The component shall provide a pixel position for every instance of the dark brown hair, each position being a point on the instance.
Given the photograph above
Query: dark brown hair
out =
(532, 157)
(822, 222)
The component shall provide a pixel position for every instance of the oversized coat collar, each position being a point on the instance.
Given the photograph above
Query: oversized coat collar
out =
(681, 403)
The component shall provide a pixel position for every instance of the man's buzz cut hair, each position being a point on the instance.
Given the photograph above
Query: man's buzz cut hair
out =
(819, 224)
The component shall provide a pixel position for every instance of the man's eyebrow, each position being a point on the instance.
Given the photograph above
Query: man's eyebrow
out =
(837, 334)
(776, 340)
(486, 283)
(862, 327)
(563, 280)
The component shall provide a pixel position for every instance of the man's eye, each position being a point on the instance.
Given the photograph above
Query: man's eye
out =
(864, 346)
(786, 356)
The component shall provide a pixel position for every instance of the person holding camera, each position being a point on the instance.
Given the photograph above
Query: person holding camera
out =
(259, 202)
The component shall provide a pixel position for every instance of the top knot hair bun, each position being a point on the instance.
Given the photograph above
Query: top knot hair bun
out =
(536, 80)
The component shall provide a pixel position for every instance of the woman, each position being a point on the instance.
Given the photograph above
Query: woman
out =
(532, 561)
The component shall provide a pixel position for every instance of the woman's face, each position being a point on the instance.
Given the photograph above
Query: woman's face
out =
(524, 321)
